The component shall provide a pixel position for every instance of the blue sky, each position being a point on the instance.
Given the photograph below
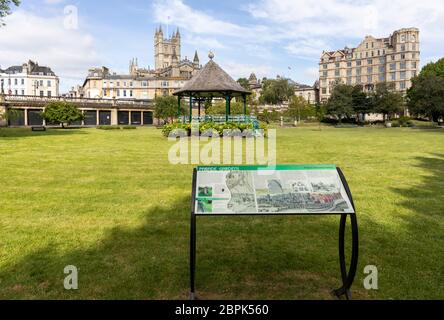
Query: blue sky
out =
(268, 37)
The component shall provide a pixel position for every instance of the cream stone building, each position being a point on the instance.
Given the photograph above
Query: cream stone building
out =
(395, 59)
(309, 93)
(29, 79)
(171, 72)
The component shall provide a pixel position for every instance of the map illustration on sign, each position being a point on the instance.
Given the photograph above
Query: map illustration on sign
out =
(260, 190)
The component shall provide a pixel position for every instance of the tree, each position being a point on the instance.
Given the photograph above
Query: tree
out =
(426, 96)
(299, 109)
(276, 91)
(244, 83)
(340, 103)
(360, 102)
(433, 68)
(219, 108)
(5, 8)
(165, 108)
(61, 112)
(386, 100)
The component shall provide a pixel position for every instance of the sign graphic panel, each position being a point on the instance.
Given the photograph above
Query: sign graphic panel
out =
(293, 189)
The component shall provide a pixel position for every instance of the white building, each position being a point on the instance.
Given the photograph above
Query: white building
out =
(29, 79)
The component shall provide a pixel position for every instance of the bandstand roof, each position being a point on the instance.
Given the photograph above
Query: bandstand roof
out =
(212, 81)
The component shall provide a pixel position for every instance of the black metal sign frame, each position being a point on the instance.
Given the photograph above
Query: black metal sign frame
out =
(347, 275)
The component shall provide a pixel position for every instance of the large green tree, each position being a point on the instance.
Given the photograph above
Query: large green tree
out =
(433, 69)
(276, 91)
(5, 8)
(61, 112)
(360, 101)
(219, 108)
(299, 109)
(386, 100)
(426, 96)
(165, 108)
(340, 103)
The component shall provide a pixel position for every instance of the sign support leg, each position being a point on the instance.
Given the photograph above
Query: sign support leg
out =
(347, 277)
(193, 257)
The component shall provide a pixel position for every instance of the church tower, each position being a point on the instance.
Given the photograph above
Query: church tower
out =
(166, 51)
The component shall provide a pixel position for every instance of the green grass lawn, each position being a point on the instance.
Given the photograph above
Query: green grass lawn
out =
(109, 203)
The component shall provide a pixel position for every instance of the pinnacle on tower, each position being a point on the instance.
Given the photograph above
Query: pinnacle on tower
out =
(177, 33)
(196, 57)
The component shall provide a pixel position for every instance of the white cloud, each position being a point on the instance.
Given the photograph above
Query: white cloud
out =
(307, 48)
(68, 52)
(240, 70)
(345, 18)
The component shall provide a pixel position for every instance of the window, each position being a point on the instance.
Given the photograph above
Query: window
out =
(23, 92)
(370, 61)
(349, 81)
(393, 76)
(337, 65)
(358, 71)
(369, 79)
(349, 64)
(124, 93)
(16, 81)
(366, 45)
(382, 77)
(49, 94)
(49, 83)
(402, 85)
(118, 83)
(358, 79)
(131, 93)
(41, 83)
(403, 56)
(42, 94)
(118, 93)
(124, 84)
(393, 66)
(325, 66)
(337, 73)
(131, 84)
(414, 73)
(16, 92)
(414, 65)
(349, 72)
(403, 38)
(403, 47)
(369, 70)
(393, 57)
(403, 65)
(366, 54)
(325, 73)
(381, 69)
(23, 82)
(403, 75)
(414, 47)
(358, 63)
(324, 90)
(144, 84)
(104, 92)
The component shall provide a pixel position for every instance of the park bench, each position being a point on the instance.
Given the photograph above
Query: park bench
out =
(38, 128)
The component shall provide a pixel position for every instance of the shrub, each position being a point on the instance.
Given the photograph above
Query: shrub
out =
(129, 127)
(206, 127)
(108, 127)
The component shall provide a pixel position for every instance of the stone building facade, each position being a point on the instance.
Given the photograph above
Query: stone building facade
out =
(395, 59)
(170, 74)
(29, 79)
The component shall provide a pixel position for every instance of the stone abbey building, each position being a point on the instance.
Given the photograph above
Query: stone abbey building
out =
(395, 59)
(170, 73)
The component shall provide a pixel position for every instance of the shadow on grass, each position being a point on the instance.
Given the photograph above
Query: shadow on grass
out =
(238, 257)
(16, 133)
(424, 239)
